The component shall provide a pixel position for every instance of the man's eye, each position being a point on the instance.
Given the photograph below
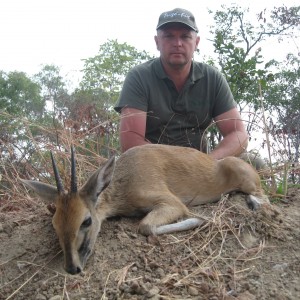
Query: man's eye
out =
(86, 223)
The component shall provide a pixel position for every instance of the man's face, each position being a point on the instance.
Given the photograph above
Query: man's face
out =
(176, 43)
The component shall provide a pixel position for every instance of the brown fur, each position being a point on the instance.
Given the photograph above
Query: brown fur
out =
(157, 181)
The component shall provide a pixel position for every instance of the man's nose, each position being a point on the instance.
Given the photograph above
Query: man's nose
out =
(177, 41)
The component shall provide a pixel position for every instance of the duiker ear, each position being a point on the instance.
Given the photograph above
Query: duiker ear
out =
(99, 180)
(45, 191)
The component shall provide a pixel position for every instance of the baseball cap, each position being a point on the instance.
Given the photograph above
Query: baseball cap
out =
(177, 15)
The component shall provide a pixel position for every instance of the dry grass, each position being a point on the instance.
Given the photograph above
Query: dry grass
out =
(31, 160)
(210, 258)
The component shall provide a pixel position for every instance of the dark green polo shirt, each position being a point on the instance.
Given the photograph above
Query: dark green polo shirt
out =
(176, 118)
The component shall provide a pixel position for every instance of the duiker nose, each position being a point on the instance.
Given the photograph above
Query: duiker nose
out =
(73, 269)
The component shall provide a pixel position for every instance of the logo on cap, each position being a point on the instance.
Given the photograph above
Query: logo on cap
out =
(177, 15)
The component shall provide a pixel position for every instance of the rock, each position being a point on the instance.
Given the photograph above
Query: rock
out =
(193, 291)
(204, 287)
(8, 229)
(40, 297)
(249, 240)
(56, 297)
(160, 272)
(153, 292)
(246, 296)
(280, 267)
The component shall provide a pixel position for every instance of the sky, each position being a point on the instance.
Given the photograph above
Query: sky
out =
(63, 32)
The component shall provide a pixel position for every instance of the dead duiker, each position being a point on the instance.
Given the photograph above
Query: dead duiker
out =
(158, 182)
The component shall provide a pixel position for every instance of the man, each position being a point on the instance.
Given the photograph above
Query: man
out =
(173, 99)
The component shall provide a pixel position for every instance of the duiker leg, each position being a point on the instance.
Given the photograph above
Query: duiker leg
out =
(167, 208)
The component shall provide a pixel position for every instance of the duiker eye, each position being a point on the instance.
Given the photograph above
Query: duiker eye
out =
(86, 223)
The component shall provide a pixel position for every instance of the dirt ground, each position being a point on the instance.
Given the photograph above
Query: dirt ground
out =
(238, 254)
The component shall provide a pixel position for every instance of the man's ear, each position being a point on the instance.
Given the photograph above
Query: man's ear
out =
(197, 42)
(156, 42)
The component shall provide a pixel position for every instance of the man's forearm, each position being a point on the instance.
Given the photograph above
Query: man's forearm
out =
(233, 144)
(131, 139)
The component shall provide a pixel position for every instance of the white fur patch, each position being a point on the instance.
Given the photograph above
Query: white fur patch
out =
(179, 226)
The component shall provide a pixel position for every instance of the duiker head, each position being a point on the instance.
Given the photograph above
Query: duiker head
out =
(75, 220)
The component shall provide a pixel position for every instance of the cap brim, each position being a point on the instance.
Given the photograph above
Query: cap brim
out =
(169, 22)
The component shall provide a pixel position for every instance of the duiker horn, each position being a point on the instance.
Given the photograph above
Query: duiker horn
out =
(73, 172)
(59, 185)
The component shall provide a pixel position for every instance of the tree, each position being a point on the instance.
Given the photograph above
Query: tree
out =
(53, 87)
(20, 98)
(90, 112)
(20, 95)
(105, 72)
(284, 94)
(21, 105)
(238, 44)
